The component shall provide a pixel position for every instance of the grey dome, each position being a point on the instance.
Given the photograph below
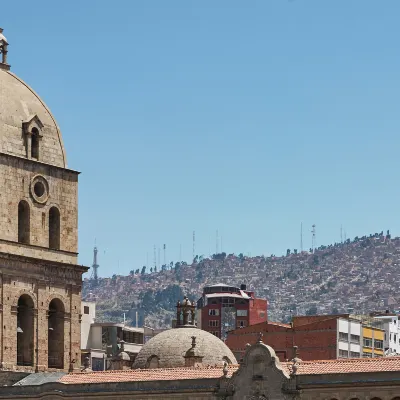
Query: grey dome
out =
(169, 348)
(18, 104)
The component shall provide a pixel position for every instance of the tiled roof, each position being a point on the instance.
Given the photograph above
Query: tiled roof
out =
(140, 375)
(346, 366)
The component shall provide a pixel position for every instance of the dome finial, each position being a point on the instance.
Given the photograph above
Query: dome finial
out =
(3, 51)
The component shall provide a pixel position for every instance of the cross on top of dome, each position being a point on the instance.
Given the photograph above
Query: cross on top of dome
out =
(3, 51)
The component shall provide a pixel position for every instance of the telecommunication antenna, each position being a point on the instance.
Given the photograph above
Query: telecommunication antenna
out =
(155, 256)
(301, 237)
(194, 245)
(165, 255)
(314, 239)
(159, 257)
(95, 266)
(341, 234)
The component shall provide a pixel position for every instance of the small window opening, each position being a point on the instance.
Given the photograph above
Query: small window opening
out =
(23, 222)
(35, 144)
(54, 228)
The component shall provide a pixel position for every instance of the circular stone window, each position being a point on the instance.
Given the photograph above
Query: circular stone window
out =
(39, 189)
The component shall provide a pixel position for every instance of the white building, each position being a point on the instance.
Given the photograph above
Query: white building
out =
(349, 338)
(391, 325)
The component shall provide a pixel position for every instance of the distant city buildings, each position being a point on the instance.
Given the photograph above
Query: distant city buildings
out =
(223, 308)
(318, 337)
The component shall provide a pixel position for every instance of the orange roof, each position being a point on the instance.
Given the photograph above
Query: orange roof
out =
(346, 366)
(140, 375)
(319, 367)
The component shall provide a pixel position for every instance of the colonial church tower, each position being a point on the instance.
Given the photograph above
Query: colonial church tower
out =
(40, 283)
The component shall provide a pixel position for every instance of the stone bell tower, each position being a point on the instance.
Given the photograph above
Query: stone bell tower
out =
(40, 281)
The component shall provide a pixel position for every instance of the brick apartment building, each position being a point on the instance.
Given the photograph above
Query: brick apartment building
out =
(223, 308)
(321, 337)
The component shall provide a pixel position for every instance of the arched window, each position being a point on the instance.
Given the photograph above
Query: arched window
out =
(54, 228)
(35, 144)
(25, 330)
(23, 222)
(56, 334)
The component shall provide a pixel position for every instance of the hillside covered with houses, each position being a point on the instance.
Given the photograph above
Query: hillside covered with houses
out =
(356, 276)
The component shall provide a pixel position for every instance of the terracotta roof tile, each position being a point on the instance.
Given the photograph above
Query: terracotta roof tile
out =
(140, 375)
(346, 366)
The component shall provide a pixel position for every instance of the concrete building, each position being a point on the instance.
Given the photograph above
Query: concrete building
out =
(391, 326)
(322, 337)
(103, 342)
(223, 308)
(40, 280)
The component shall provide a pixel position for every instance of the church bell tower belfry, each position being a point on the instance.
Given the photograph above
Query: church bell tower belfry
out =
(40, 281)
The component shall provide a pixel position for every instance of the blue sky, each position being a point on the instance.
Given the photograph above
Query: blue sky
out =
(243, 117)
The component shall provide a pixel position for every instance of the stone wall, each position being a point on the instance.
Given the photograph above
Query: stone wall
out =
(42, 282)
(17, 179)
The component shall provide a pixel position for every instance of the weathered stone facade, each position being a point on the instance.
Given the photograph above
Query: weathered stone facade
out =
(40, 283)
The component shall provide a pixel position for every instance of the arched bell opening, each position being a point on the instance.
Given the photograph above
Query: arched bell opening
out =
(56, 334)
(25, 330)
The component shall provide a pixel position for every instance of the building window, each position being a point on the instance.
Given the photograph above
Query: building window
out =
(86, 309)
(241, 313)
(344, 337)
(395, 338)
(35, 144)
(343, 353)
(354, 354)
(213, 311)
(367, 342)
(24, 216)
(215, 333)
(354, 339)
(378, 344)
(54, 228)
(213, 322)
(241, 324)
(367, 355)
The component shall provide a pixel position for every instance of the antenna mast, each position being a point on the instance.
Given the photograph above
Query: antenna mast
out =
(154, 256)
(301, 237)
(194, 245)
(341, 234)
(314, 241)
(165, 254)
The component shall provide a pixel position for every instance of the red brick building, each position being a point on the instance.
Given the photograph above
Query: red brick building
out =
(223, 308)
(315, 336)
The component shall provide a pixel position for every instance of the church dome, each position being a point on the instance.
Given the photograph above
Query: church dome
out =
(169, 348)
(22, 110)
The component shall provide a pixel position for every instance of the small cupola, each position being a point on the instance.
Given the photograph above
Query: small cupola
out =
(3, 51)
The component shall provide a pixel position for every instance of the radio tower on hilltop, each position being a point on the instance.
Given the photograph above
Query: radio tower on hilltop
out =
(95, 266)
(314, 238)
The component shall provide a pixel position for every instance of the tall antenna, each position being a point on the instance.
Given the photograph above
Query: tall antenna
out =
(314, 241)
(155, 256)
(194, 245)
(216, 243)
(95, 266)
(165, 255)
(301, 237)
(159, 257)
(341, 234)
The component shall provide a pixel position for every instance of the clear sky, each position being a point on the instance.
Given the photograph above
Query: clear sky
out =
(246, 117)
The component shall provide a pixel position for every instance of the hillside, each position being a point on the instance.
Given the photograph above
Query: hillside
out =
(362, 274)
